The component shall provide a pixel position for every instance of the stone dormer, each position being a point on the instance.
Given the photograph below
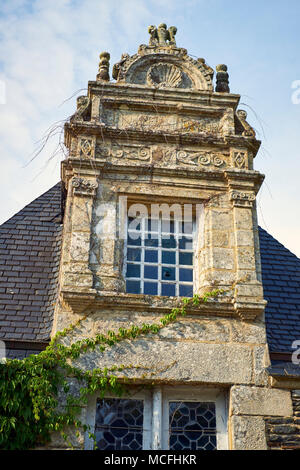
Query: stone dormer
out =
(164, 135)
(160, 131)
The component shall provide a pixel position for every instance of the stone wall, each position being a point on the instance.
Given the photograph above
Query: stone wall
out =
(284, 432)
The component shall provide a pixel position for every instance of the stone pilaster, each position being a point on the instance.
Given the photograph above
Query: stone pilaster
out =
(77, 273)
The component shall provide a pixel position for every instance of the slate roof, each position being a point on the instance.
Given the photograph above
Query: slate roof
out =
(29, 260)
(281, 283)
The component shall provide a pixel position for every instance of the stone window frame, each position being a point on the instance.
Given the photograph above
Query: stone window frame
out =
(197, 233)
(156, 413)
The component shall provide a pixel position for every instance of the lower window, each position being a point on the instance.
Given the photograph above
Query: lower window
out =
(119, 424)
(165, 419)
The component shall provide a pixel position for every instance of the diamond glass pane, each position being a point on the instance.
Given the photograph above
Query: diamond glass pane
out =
(192, 425)
(119, 424)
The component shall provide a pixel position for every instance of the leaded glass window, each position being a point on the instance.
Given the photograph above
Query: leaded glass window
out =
(192, 425)
(119, 424)
(159, 257)
(175, 418)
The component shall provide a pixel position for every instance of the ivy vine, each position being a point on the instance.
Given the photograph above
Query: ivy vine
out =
(29, 388)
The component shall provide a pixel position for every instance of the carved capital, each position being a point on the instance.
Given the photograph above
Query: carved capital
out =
(84, 187)
(242, 198)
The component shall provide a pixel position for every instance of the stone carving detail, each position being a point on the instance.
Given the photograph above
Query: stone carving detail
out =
(207, 126)
(162, 47)
(222, 79)
(242, 199)
(169, 123)
(162, 36)
(126, 152)
(150, 122)
(199, 158)
(227, 122)
(163, 75)
(84, 187)
(83, 111)
(240, 159)
(117, 68)
(103, 73)
(86, 148)
(248, 130)
(160, 155)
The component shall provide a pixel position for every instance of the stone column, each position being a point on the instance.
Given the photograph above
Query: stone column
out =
(107, 246)
(248, 290)
(215, 256)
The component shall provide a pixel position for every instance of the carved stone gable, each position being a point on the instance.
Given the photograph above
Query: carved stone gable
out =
(164, 67)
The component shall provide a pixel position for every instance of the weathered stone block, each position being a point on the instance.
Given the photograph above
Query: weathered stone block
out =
(261, 362)
(222, 258)
(220, 220)
(258, 401)
(217, 238)
(80, 246)
(248, 332)
(249, 290)
(246, 258)
(242, 218)
(244, 238)
(82, 215)
(180, 361)
(248, 433)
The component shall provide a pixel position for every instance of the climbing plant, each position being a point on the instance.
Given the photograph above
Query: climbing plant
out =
(30, 408)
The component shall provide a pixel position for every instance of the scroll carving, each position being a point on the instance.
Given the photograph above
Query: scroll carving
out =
(199, 158)
(242, 199)
(84, 187)
(125, 152)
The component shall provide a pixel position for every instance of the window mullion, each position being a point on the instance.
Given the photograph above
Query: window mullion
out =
(157, 419)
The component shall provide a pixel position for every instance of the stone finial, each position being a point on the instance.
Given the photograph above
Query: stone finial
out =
(161, 36)
(222, 79)
(103, 73)
(172, 32)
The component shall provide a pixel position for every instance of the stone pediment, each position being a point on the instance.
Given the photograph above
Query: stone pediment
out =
(163, 66)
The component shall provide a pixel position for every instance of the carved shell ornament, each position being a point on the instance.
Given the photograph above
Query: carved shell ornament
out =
(164, 76)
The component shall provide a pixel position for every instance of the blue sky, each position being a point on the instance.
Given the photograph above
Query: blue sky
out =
(49, 49)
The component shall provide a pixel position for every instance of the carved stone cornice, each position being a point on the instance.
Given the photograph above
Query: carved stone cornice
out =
(243, 180)
(138, 135)
(79, 302)
(133, 92)
(249, 310)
